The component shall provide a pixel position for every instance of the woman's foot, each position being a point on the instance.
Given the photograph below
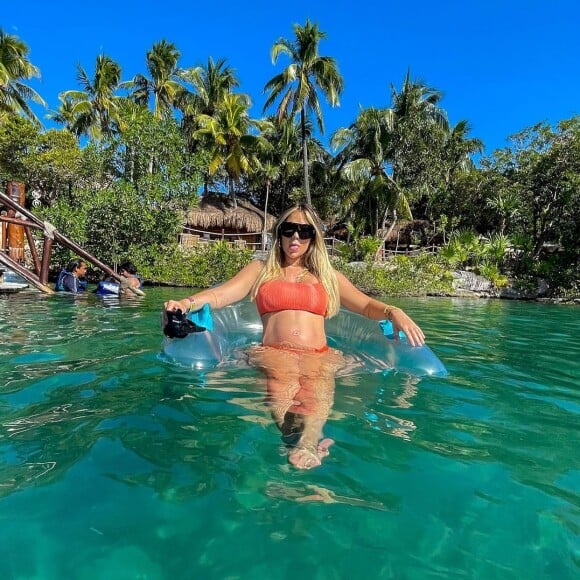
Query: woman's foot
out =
(306, 456)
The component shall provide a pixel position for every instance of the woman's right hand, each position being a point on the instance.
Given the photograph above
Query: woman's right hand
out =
(175, 305)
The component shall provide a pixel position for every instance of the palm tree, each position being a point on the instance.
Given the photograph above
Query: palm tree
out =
(64, 115)
(363, 151)
(93, 110)
(458, 150)
(232, 147)
(165, 82)
(504, 201)
(286, 155)
(419, 130)
(267, 173)
(387, 153)
(210, 84)
(297, 86)
(14, 67)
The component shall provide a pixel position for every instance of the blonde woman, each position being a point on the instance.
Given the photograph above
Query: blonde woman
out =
(295, 289)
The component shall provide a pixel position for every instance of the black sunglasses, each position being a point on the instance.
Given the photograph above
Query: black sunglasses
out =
(305, 231)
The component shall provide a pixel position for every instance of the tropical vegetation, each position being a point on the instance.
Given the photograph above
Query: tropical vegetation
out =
(124, 158)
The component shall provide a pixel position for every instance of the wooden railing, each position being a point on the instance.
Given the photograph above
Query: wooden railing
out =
(191, 240)
(38, 277)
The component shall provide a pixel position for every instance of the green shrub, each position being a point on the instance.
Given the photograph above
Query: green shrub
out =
(400, 276)
(368, 246)
(493, 274)
(199, 267)
(360, 249)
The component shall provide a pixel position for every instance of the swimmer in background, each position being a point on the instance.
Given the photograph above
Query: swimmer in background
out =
(71, 279)
(129, 285)
(295, 289)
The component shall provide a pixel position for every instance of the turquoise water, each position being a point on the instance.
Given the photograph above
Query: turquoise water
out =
(116, 465)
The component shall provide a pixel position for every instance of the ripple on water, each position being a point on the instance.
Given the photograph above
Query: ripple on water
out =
(36, 357)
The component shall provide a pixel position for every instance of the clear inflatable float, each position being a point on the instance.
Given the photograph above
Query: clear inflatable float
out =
(218, 339)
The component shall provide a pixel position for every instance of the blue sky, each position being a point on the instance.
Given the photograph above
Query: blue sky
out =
(501, 64)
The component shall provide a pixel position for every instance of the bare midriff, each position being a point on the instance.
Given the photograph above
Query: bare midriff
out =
(295, 329)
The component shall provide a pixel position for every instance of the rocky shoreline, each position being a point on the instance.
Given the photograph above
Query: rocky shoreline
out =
(469, 285)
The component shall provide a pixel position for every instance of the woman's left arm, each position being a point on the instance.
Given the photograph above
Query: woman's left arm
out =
(353, 299)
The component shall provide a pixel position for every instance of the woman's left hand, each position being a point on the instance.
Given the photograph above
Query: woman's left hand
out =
(405, 323)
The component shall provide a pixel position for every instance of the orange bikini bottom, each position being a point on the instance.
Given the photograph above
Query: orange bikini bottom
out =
(298, 379)
(298, 350)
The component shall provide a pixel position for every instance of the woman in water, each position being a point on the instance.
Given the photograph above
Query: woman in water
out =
(130, 281)
(295, 289)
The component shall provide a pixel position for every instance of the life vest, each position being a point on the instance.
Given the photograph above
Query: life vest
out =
(58, 286)
(67, 282)
(108, 288)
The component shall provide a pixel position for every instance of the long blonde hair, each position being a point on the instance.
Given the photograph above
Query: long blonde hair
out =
(316, 259)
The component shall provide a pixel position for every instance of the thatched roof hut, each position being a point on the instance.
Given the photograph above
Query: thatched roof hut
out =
(408, 232)
(216, 213)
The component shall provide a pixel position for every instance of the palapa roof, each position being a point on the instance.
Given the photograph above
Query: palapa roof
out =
(216, 211)
(404, 229)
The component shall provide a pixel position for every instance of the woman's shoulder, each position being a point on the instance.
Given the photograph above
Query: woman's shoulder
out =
(257, 264)
(251, 271)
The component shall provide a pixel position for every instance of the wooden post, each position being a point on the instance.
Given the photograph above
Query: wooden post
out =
(15, 192)
(45, 266)
(33, 251)
(3, 231)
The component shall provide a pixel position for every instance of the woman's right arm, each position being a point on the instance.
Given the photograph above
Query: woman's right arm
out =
(231, 291)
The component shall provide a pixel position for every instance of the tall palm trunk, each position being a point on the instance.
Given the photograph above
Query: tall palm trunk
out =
(131, 162)
(233, 192)
(265, 216)
(305, 156)
(394, 213)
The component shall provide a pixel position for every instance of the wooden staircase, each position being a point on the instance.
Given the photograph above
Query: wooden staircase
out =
(19, 217)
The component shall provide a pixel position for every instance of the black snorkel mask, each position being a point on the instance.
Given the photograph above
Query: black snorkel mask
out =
(177, 325)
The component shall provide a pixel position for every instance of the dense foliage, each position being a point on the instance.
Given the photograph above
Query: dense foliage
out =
(133, 154)
(121, 199)
(202, 267)
(420, 275)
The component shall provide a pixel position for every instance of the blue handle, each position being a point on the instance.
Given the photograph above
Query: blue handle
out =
(414, 359)
(202, 317)
(389, 331)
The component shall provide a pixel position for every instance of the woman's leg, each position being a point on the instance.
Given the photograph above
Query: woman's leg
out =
(300, 388)
(315, 399)
(282, 384)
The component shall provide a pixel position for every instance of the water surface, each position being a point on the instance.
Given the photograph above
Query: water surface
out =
(115, 464)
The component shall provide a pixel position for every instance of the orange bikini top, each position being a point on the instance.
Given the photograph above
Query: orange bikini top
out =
(278, 295)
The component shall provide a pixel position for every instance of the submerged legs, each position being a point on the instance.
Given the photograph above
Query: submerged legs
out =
(300, 389)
